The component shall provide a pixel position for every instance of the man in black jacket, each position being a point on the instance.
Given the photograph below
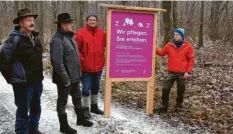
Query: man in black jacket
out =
(66, 72)
(21, 65)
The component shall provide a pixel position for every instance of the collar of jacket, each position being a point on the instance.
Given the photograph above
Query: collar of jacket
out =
(18, 32)
(178, 44)
(91, 29)
(182, 46)
(69, 34)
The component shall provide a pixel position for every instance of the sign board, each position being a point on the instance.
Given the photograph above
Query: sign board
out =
(131, 48)
(131, 44)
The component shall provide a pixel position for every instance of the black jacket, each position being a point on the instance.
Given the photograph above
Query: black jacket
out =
(64, 58)
(22, 58)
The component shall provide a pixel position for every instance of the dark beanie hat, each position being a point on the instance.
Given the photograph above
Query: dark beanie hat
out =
(92, 14)
(180, 31)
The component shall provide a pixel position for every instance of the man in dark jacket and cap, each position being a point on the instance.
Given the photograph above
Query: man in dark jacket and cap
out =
(67, 72)
(21, 66)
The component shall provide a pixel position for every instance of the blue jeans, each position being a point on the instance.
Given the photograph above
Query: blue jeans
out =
(27, 99)
(91, 83)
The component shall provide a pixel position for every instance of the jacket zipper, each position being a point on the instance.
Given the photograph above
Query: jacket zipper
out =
(94, 49)
(32, 40)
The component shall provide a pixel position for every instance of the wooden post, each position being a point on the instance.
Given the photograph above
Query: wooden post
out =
(108, 88)
(151, 83)
(108, 95)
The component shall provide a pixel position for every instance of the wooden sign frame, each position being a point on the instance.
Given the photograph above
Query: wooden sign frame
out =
(151, 80)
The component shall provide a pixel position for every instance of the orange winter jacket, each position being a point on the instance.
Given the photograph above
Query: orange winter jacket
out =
(180, 60)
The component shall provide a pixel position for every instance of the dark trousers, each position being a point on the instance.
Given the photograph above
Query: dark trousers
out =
(91, 83)
(63, 92)
(167, 85)
(27, 100)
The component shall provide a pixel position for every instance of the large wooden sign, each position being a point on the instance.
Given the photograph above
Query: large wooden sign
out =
(131, 44)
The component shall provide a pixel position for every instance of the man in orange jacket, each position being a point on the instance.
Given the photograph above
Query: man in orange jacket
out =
(91, 41)
(180, 64)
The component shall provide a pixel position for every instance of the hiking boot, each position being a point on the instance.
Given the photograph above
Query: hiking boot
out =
(87, 113)
(81, 119)
(64, 126)
(95, 109)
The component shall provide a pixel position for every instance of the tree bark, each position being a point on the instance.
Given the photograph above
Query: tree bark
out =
(41, 22)
(201, 28)
(214, 17)
(175, 22)
(167, 20)
(81, 8)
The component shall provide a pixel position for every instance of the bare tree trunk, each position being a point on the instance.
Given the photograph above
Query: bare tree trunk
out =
(171, 17)
(102, 16)
(214, 24)
(124, 3)
(41, 22)
(56, 8)
(81, 8)
(175, 22)
(201, 29)
(28, 4)
(18, 5)
(167, 20)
